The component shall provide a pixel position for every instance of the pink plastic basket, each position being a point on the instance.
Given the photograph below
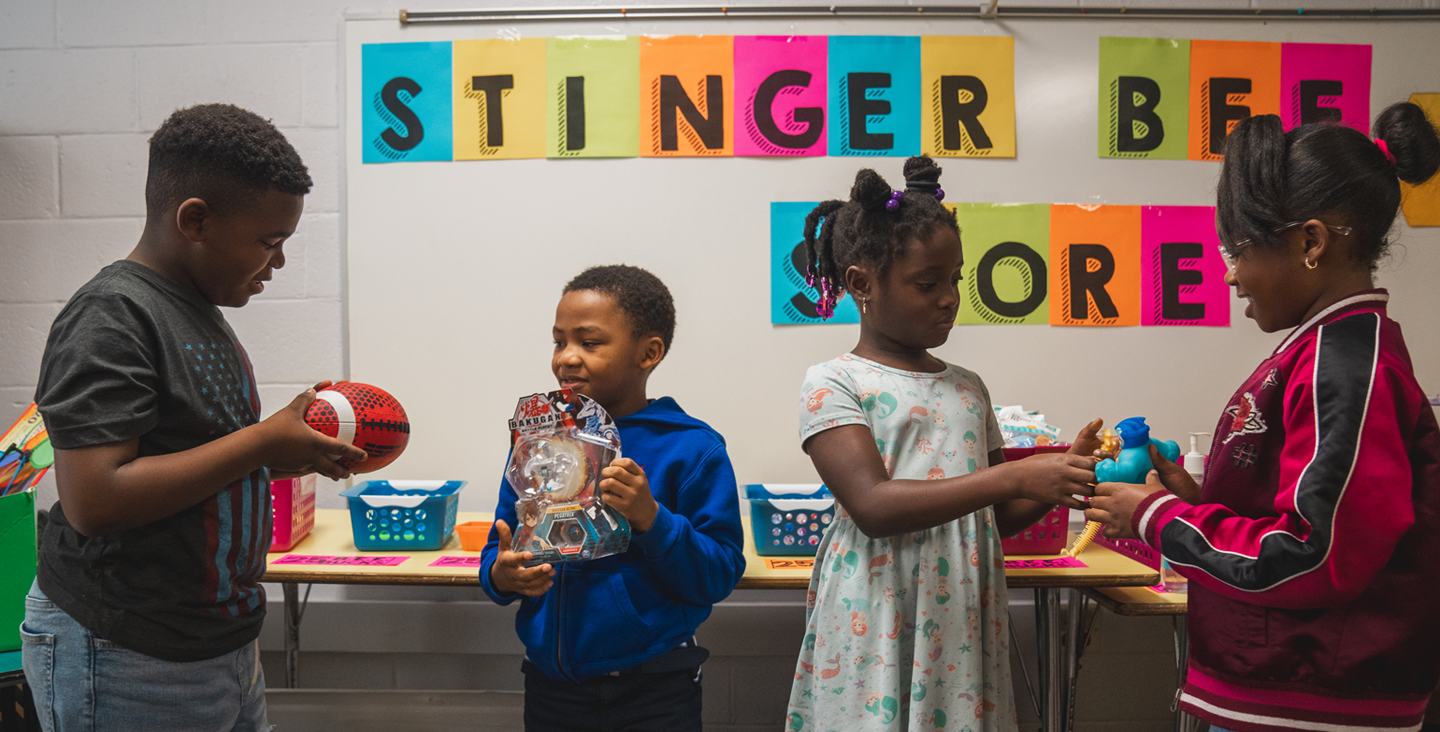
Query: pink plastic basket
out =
(1133, 548)
(294, 506)
(1048, 534)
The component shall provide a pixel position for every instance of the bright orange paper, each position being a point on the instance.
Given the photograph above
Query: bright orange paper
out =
(521, 129)
(688, 60)
(1254, 61)
(1117, 229)
(1422, 203)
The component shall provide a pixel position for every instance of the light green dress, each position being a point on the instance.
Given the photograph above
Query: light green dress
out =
(907, 632)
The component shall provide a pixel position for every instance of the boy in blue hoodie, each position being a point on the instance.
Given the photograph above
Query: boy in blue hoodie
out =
(610, 642)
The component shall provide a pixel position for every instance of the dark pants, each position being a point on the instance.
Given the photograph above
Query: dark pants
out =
(637, 702)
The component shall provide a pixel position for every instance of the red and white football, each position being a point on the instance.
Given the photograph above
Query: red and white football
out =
(364, 416)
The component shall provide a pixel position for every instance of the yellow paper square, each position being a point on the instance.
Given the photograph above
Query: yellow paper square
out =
(509, 73)
(955, 71)
(1421, 203)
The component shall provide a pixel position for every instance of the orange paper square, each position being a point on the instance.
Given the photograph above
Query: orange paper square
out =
(1220, 71)
(1106, 238)
(687, 74)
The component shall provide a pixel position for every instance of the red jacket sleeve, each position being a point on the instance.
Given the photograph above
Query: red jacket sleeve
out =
(1344, 498)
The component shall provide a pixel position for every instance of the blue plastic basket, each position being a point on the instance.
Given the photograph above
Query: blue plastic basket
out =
(788, 520)
(403, 514)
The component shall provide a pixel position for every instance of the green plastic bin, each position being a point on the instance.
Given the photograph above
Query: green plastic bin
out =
(17, 570)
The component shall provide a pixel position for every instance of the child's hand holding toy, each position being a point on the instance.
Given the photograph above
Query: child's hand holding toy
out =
(1091, 442)
(510, 575)
(1055, 478)
(1114, 504)
(624, 487)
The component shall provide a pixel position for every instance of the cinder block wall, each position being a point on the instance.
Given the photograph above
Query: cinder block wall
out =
(83, 83)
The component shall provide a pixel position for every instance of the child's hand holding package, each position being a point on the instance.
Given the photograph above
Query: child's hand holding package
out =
(509, 573)
(624, 487)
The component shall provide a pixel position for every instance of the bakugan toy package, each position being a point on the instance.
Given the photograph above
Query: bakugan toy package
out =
(559, 443)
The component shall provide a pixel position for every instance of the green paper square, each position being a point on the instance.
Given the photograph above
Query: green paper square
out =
(1008, 279)
(610, 67)
(1165, 64)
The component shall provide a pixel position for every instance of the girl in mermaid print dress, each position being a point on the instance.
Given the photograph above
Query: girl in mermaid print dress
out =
(906, 618)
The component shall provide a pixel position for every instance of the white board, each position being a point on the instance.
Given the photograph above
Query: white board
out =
(454, 268)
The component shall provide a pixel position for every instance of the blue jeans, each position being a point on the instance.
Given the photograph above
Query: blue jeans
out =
(84, 683)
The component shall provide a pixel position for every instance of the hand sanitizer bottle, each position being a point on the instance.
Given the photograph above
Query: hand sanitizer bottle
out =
(1195, 466)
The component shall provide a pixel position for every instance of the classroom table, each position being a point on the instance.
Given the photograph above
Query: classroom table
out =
(1146, 602)
(1059, 647)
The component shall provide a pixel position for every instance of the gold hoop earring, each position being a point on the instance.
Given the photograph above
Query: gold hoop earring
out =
(1310, 264)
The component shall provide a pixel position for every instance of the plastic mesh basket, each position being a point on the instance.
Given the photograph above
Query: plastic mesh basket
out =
(789, 519)
(386, 515)
(1133, 548)
(293, 502)
(1048, 535)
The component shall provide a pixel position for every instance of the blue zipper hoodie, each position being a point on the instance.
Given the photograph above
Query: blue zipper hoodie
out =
(611, 613)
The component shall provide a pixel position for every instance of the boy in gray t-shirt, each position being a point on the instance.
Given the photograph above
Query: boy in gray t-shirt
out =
(147, 602)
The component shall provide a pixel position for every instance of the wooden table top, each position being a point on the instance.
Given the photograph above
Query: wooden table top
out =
(1138, 601)
(332, 537)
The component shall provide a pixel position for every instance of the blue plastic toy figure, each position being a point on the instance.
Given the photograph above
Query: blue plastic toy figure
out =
(1133, 462)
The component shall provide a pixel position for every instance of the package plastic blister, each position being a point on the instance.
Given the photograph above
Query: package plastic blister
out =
(559, 443)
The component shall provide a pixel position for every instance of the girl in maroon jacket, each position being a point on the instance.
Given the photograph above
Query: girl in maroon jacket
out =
(1313, 547)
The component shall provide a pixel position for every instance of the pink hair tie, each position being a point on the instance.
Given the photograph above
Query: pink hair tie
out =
(1384, 148)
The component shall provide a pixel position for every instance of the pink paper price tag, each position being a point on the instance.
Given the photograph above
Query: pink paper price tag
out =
(327, 561)
(456, 562)
(1048, 563)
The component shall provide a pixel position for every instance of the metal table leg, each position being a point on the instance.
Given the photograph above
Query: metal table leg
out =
(1183, 721)
(292, 634)
(1073, 647)
(1053, 692)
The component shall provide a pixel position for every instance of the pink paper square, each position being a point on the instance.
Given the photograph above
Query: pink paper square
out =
(1347, 64)
(332, 561)
(794, 124)
(1166, 234)
(1046, 563)
(450, 561)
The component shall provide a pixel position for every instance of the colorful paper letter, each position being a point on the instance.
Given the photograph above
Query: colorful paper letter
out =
(1229, 81)
(500, 102)
(687, 89)
(780, 85)
(969, 88)
(1422, 203)
(592, 97)
(1006, 263)
(1144, 105)
(875, 95)
(791, 300)
(1183, 274)
(405, 107)
(1095, 265)
(1325, 82)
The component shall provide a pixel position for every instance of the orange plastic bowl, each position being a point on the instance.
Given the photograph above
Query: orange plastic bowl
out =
(473, 534)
